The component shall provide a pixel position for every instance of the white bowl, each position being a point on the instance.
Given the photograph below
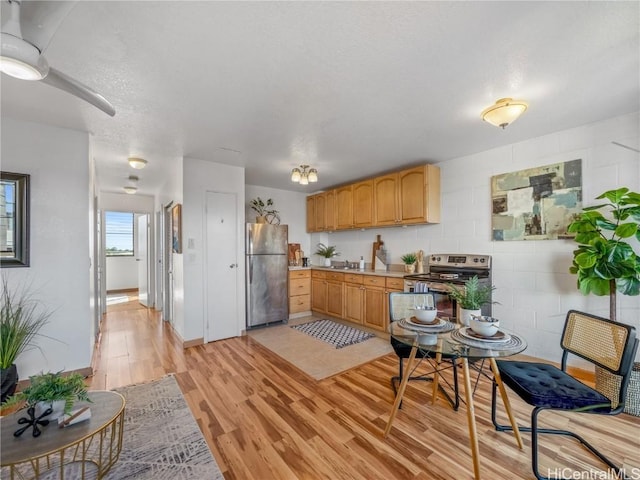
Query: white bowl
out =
(484, 325)
(425, 314)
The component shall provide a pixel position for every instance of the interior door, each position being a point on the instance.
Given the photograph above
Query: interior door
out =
(222, 266)
(143, 260)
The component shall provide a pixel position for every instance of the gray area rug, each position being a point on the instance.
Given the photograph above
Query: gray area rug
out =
(336, 334)
(161, 437)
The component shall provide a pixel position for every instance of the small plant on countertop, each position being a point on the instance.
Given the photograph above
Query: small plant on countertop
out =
(409, 258)
(327, 251)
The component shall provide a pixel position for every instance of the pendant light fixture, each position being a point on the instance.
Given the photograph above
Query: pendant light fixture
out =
(303, 176)
(504, 112)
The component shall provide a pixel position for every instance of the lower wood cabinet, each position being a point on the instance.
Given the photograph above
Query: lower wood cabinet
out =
(318, 291)
(299, 291)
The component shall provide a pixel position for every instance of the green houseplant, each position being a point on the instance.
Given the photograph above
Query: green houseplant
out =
(409, 260)
(327, 252)
(606, 264)
(471, 297)
(262, 209)
(49, 388)
(21, 319)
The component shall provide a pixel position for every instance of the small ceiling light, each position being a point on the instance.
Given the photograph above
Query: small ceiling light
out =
(137, 163)
(20, 59)
(130, 190)
(504, 112)
(304, 176)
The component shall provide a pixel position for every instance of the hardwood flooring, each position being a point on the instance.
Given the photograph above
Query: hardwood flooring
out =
(265, 419)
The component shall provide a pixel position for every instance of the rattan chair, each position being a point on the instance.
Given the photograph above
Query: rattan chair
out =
(401, 305)
(607, 344)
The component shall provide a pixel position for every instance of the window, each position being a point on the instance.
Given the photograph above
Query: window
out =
(119, 234)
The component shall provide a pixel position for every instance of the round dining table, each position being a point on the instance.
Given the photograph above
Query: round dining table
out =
(458, 344)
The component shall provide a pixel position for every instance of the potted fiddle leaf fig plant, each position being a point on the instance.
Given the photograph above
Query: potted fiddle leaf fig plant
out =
(327, 252)
(606, 264)
(471, 297)
(21, 319)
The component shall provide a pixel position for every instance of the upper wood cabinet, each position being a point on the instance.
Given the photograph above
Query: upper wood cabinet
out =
(409, 196)
(344, 207)
(363, 204)
(311, 213)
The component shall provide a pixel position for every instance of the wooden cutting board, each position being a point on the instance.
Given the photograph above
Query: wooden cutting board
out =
(293, 248)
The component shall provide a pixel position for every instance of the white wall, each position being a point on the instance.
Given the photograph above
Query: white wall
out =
(58, 161)
(534, 286)
(292, 208)
(122, 272)
(200, 177)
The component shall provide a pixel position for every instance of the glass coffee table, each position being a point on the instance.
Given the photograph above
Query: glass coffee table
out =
(455, 342)
(84, 450)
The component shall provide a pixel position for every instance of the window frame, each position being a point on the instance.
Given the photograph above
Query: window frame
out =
(133, 235)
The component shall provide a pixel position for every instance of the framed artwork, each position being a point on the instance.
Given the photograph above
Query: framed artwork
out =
(176, 228)
(537, 203)
(14, 219)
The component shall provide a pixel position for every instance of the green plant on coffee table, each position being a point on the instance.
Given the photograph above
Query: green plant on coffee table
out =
(473, 295)
(49, 387)
(604, 262)
(409, 258)
(327, 251)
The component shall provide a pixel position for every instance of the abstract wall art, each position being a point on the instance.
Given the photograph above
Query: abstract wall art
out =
(537, 203)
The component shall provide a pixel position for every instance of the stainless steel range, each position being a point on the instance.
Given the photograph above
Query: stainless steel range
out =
(450, 268)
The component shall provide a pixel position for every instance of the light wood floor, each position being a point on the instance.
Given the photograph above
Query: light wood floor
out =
(264, 419)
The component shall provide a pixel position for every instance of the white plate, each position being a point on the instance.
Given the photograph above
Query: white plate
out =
(468, 333)
(438, 324)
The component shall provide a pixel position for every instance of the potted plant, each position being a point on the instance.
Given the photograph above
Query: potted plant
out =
(471, 298)
(328, 252)
(52, 390)
(409, 260)
(21, 319)
(263, 210)
(606, 264)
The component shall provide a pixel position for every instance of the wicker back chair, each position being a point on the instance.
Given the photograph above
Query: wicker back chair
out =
(607, 344)
(401, 305)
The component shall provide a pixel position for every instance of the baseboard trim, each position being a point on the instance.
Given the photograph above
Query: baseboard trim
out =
(193, 343)
(86, 372)
(122, 290)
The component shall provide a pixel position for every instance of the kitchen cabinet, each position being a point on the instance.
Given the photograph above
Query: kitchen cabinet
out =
(320, 222)
(330, 210)
(335, 294)
(311, 214)
(363, 204)
(299, 292)
(373, 302)
(353, 305)
(344, 207)
(407, 197)
(318, 291)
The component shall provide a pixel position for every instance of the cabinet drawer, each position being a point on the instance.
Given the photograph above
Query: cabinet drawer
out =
(373, 281)
(353, 278)
(396, 283)
(339, 277)
(301, 303)
(318, 274)
(299, 274)
(299, 286)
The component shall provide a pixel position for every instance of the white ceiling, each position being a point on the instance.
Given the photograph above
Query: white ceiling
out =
(352, 88)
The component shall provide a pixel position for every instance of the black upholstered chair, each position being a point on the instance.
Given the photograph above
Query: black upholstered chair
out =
(608, 345)
(401, 305)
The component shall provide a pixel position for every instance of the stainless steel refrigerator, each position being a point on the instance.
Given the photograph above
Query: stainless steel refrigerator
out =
(266, 273)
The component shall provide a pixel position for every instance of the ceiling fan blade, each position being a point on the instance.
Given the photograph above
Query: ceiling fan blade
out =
(57, 79)
(40, 20)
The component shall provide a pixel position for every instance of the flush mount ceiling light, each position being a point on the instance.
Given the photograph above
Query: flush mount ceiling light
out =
(137, 163)
(504, 112)
(130, 189)
(304, 176)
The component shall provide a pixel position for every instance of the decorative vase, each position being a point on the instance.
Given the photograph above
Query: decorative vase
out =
(465, 316)
(410, 268)
(327, 262)
(8, 381)
(57, 406)
(261, 219)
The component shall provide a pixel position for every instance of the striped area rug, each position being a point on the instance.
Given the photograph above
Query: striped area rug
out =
(334, 333)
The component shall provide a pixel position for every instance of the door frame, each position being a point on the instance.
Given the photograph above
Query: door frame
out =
(167, 265)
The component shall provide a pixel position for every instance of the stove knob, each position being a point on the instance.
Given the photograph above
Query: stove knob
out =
(475, 260)
(482, 260)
